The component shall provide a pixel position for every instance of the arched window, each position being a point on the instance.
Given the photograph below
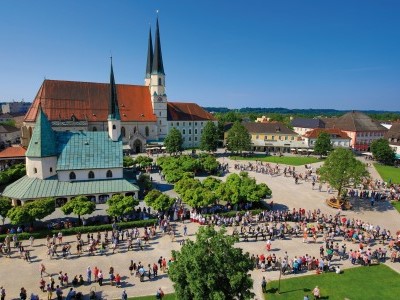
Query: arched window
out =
(34, 170)
(91, 175)
(147, 130)
(72, 176)
(114, 127)
(109, 174)
(94, 128)
(159, 81)
(123, 131)
(51, 170)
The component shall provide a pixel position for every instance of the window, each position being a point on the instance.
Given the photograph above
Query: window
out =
(177, 123)
(273, 138)
(34, 170)
(160, 122)
(195, 123)
(159, 113)
(190, 139)
(183, 131)
(183, 123)
(190, 123)
(286, 138)
(190, 131)
(123, 132)
(195, 138)
(51, 170)
(201, 131)
(195, 131)
(257, 137)
(94, 128)
(109, 174)
(72, 176)
(201, 123)
(91, 175)
(147, 130)
(114, 127)
(159, 81)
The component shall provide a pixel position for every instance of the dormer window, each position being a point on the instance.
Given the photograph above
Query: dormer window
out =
(109, 174)
(114, 127)
(91, 175)
(72, 176)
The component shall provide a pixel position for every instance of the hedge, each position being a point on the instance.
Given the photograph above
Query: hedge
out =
(82, 229)
(233, 213)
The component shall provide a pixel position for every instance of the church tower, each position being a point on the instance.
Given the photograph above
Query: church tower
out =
(157, 87)
(41, 156)
(114, 118)
(149, 64)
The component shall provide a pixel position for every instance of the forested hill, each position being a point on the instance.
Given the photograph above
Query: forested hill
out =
(254, 112)
(296, 111)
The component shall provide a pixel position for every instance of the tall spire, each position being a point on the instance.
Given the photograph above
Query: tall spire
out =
(43, 140)
(113, 109)
(158, 67)
(149, 65)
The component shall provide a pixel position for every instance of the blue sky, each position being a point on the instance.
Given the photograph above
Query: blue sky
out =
(295, 54)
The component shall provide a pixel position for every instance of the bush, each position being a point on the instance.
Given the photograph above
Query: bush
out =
(83, 229)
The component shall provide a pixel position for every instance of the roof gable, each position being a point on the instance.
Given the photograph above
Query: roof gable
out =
(182, 111)
(307, 123)
(272, 127)
(89, 101)
(357, 121)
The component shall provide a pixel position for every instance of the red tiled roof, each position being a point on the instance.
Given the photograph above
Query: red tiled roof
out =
(313, 134)
(181, 111)
(89, 101)
(12, 152)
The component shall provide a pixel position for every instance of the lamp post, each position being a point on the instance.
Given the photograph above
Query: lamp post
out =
(280, 275)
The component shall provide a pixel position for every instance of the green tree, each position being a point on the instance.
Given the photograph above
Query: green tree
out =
(323, 144)
(209, 137)
(173, 141)
(144, 182)
(238, 138)
(211, 268)
(383, 152)
(341, 168)
(80, 206)
(5, 206)
(211, 183)
(128, 161)
(31, 211)
(209, 164)
(158, 201)
(143, 161)
(119, 205)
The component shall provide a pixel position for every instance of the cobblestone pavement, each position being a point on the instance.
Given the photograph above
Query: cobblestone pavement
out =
(15, 273)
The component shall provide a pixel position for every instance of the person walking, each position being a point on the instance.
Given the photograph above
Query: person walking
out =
(264, 285)
(89, 275)
(124, 295)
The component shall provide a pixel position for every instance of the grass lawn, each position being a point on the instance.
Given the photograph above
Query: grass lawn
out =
(388, 172)
(286, 160)
(152, 297)
(375, 282)
(396, 205)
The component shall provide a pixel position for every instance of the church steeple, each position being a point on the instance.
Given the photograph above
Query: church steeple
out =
(149, 65)
(113, 109)
(158, 67)
(114, 117)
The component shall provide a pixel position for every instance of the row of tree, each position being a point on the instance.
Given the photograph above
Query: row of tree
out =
(237, 189)
(175, 168)
(118, 206)
(140, 161)
(12, 174)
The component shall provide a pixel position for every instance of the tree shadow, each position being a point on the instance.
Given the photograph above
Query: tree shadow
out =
(163, 187)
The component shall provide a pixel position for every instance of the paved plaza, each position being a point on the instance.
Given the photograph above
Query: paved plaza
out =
(16, 273)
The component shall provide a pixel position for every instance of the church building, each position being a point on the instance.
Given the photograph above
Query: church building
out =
(146, 115)
(62, 164)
